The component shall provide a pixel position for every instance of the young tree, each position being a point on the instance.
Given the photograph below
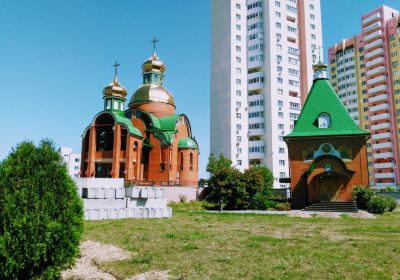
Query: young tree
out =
(41, 219)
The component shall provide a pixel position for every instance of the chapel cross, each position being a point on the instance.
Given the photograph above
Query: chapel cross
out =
(154, 41)
(116, 65)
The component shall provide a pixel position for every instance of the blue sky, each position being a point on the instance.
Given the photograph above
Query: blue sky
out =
(56, 57)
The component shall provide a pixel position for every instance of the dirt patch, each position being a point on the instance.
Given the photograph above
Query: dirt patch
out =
(363, 215)
(329, 215)
(333, 235)
(151, 275)
(92, 253)
(282, 234)
(299, 214)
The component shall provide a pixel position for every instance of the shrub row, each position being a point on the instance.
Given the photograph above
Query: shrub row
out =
(369, 200)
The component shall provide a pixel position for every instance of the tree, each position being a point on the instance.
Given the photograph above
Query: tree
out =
(232, 189)
(41, 221)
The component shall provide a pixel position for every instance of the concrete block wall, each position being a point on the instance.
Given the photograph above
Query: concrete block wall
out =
(105, 199)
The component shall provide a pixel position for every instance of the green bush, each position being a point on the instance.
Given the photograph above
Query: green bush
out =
(390, 189)
(41, 221)
(282, 206)
(391, 203)
(233, 189)
(362, 196)
(380, 204)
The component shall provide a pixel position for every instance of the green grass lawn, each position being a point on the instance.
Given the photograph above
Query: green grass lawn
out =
(195, 245)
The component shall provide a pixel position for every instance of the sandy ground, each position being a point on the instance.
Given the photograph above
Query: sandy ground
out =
(95, 252)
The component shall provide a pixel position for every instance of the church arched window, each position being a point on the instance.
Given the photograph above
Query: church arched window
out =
(191, 161)
(181, 164)
(324, 120)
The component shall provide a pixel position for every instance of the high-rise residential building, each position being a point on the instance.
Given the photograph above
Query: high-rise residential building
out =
(72, 161)
(366, 75)
(261, 71)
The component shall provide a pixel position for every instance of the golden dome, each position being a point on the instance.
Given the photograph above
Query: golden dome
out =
(153, 64)
(152, 93)
(115, 89)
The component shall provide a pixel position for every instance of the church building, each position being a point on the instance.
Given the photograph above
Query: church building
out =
(147, 143)
(327, 150)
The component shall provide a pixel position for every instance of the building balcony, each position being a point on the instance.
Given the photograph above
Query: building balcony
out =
(377, 89)
(258, 143)
(378, 98)
(374, 44)
(373, 35)
(256, 155)
(382, 155)
(256, 120)
(382, 145)
(372, 26)
(255, 64)
(376, 52)
(384, 165)
(255, 97)
(379, 107)
(377, 70)
(379, 117)
(376, 61)
(384, 175)
(380, 126)
(256, 132)
(381, 136)
(372, 18)
(255, 85)
(376, 80)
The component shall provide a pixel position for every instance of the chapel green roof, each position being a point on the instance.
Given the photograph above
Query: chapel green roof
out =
(322, 98)
(187, 143)
(119, 118)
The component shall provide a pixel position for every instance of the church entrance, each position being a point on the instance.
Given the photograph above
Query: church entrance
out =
(328, 187)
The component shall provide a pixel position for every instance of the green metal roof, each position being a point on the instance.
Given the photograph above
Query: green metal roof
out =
(169, 122)
(187, 143)
(154, 120)
(120, 118)
(322, 98)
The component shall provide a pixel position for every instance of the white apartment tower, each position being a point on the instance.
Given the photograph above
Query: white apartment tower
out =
(261, 71)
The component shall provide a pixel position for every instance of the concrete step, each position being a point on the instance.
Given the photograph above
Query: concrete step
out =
(334, 206)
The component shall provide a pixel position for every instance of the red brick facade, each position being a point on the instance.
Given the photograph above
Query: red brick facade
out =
(327, 176)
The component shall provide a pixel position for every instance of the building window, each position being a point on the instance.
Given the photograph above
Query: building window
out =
(278, 14)
(239, 162)
(313, 36)
(324, 120)
(77, 160)
(238, 17)
(278, 25)
(312, 16)
(281, 162)
(238, 38)
(280, 114)
(279, 91)
(281, 150)
(238, 93)
(238, 81)
(191, 161)
(280, 126)
(238, 27)
(277, 4)
(238, 6)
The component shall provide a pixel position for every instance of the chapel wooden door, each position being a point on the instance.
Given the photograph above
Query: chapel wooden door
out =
(329, 186)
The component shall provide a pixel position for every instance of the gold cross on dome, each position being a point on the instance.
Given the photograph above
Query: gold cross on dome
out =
(154, 41)
(116, 65)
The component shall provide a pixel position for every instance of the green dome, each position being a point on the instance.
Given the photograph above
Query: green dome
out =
(187, 143)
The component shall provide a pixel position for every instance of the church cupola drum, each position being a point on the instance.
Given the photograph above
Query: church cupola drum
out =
(147, 143)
